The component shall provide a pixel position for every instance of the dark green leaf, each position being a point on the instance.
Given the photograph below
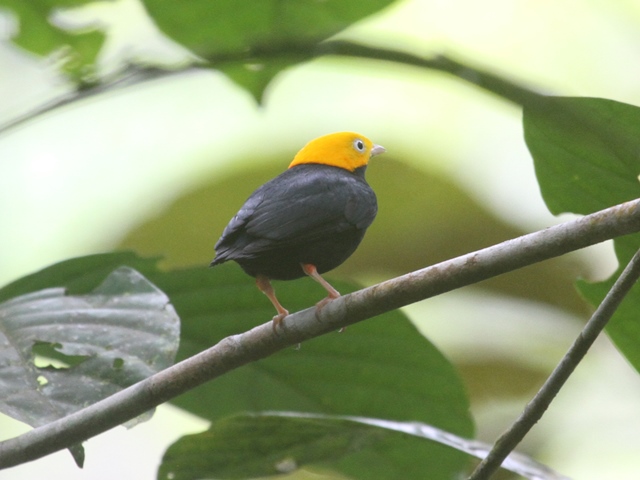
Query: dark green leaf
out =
(257, 446)
(380, 368)
(587, 157)
(77, 275)
(249, 446)
(252, 41)
(585, 151)
(404, 236)
(624, 326)
(122, 332)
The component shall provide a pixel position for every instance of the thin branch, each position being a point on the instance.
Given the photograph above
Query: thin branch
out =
(136, 74)
(128, 77)
(237, 350)
(541, 401)
(490, 82)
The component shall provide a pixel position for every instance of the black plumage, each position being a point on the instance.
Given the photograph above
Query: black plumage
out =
(310, 214)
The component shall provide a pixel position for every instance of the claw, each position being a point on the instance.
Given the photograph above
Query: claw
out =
(277, 321)
(312, 271)
(321, 304)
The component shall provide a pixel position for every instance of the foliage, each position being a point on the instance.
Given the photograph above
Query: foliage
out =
(121, 332)
(585, 154)
(76, 52)
(586, 157)
(252, 42)
(392, 371)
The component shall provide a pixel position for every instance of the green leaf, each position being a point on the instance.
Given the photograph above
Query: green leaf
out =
(624, 326)
(586, 153)
(250, 446)
(253, 41)
(381, 368)
(404, 236)
(247, 446)
(77, 275)
(39, 35)
(122, 332)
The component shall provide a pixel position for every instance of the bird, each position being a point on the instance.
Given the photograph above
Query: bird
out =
(307, 220)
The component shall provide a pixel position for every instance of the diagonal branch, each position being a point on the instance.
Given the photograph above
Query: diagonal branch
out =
(539, 404)
(237, 350)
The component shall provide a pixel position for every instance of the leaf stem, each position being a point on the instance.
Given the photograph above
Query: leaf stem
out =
(259, 342)
(541, 401)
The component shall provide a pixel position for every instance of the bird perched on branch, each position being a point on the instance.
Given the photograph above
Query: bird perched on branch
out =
(306, 221)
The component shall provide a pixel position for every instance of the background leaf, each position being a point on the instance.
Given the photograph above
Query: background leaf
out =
(586, 156)
(624, 327)
(249, 446)
(380, 368)
(585, 152)
(37, 34)
(64, 193)
(253, 41)
(77, 275)
(122, 332)
(406, 235)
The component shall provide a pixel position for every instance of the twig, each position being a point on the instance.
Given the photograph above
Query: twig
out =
(132, 75)
(136, 74)
(490, 82)
(540, 402)
(237, 350)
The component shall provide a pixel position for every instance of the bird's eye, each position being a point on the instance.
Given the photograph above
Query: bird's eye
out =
(358, 145)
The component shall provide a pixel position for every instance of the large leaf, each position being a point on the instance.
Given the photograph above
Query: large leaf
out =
(123, 331)
(404, 236)
(39, 35)
(380, 368)
(252, 41)
(272, 443)
(586, 153)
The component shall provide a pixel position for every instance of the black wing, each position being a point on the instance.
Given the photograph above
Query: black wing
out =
(301, 205)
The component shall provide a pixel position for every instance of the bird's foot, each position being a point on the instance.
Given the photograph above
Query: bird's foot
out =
(278, 319)
(325, 301)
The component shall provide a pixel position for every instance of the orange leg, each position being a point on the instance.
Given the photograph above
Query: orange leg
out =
(265, 287)
(311, 270)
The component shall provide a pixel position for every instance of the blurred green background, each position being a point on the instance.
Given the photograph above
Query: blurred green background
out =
(161, 166)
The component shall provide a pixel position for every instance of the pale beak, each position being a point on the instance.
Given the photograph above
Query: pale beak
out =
(377, 150)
